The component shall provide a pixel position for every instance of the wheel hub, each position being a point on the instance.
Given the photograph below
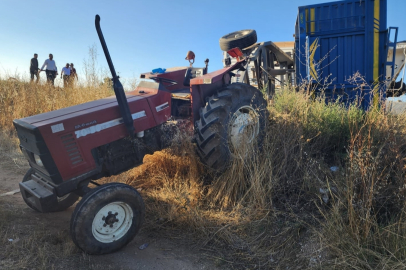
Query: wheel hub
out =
(244, 127)
(110, 219)
(112, 222)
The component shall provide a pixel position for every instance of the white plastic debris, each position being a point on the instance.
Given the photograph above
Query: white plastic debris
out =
(334, 169)
(143, 246)
(324, 192)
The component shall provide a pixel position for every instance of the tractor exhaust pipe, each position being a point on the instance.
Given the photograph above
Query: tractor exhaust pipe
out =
(118, 87)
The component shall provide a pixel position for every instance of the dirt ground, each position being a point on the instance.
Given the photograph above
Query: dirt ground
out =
(35, 240)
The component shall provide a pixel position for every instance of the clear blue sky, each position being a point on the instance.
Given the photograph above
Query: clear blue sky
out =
(143, 35)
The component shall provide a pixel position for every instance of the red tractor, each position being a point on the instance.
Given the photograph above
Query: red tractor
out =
(69, 148)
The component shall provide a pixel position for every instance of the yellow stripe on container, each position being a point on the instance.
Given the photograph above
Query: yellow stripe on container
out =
(376, 25)
(312, 52)
(312, 21)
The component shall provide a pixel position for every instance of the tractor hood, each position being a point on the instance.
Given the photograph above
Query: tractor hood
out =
(80, 110)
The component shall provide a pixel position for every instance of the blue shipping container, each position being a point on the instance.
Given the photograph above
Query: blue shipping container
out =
(335, 40)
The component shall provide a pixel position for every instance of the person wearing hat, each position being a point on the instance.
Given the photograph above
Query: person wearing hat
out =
(66, 74)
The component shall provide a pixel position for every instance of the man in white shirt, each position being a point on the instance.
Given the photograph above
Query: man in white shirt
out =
(66, 74)
(51, 70)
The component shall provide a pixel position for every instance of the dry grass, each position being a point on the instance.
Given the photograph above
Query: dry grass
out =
(271, 211)
(21, 99)
(28, 243)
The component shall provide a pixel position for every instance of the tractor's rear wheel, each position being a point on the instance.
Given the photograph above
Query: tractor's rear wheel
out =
(107, 218)
(232, 123)
(64, 202)
(241, 39)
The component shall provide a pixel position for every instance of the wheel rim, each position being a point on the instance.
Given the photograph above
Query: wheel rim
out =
(112, 222)
(244, 127)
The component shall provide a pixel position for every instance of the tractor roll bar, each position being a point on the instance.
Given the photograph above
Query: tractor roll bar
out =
(118, 87)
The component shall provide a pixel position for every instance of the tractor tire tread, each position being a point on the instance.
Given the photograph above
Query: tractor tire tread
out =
(91, 203)
(211, 130)
(245, 39)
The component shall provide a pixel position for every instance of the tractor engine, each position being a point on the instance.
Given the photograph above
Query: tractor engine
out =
(120, 155)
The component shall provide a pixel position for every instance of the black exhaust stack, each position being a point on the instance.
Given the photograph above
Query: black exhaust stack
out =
(118, 87)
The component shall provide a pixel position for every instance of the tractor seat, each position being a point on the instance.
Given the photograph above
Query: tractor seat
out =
(192, 73)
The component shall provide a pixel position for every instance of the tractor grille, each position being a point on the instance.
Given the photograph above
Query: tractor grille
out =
(72, 149)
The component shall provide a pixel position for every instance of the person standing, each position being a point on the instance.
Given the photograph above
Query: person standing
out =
(66, 72)
(34, 67)
(73, 73)
(51, 70)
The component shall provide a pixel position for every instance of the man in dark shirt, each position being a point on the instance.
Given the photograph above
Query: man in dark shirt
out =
(34, 67)
(73, 71)
(73, 74)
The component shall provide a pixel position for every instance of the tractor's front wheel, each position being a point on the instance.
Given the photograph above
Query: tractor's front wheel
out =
(64, 202)
(107, 218)
(232, 123)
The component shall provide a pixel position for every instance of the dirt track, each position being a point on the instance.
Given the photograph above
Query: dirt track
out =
(161, 253)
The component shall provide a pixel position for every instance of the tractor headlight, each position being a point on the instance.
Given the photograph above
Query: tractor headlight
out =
(38, 160)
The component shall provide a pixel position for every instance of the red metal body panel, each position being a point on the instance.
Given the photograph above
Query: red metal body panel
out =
(213, 77)
(87, 126)
(69, 110)
(206, 85)
(160, 104)
(235, 53)
(160, 107)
